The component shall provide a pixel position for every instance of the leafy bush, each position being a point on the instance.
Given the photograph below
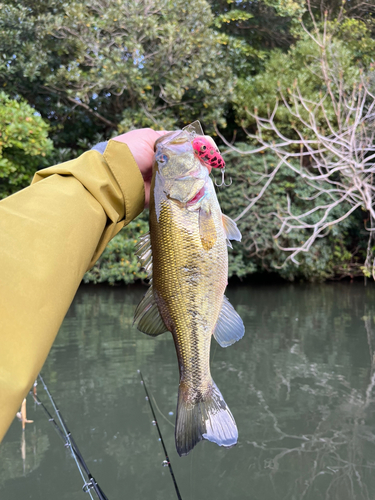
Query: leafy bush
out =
(118, 263)
(24, 144)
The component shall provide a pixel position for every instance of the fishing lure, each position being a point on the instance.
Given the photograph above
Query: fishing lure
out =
(208, 153)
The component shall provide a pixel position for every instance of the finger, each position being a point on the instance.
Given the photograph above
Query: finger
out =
(166, 133)
(163, 132)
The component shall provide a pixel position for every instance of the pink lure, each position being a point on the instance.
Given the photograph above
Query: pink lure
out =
(208, 154)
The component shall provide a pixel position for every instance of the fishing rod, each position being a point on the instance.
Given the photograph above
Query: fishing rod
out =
(63, 431)
(166, 462)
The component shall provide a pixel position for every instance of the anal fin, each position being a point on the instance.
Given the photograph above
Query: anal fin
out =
(229, 327)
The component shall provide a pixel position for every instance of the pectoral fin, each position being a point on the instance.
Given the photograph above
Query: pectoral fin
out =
(229, 327)
(207, 228)
(147, 316)
(231, 230)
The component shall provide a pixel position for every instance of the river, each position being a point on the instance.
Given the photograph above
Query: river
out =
(300, 384)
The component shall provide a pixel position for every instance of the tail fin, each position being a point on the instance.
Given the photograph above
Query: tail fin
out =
(208, 419)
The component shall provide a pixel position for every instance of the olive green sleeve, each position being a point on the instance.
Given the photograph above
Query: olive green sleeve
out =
(50, 234)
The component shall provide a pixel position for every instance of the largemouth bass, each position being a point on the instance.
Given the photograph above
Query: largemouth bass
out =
(185, 255)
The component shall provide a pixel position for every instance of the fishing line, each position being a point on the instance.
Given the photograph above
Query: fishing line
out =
(166, 461)
(161, 413)
(63, 431)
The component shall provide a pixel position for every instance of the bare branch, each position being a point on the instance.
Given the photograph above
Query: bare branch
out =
(333, 142)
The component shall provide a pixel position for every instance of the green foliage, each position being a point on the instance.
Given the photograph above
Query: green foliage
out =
(248, 30)
(286, 8)
(104, 65)
(118, 263)
(340, 253)
(24, 144)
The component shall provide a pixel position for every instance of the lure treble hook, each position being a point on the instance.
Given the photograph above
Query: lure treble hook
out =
(223, 180)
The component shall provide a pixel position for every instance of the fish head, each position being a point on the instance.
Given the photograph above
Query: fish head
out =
(179, 175)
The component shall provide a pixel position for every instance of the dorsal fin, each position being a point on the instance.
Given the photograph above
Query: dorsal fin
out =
(231, 230)
(144, 252)
(229, 327)
(147, 317)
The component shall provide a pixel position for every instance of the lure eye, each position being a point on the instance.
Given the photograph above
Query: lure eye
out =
(203, 147)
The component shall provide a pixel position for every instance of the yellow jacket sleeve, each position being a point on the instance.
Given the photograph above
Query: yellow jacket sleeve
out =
(50, 234)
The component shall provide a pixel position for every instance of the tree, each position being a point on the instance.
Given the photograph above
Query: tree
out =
(105, 65)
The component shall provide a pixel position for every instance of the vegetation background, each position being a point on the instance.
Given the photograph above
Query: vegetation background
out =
(75, 73)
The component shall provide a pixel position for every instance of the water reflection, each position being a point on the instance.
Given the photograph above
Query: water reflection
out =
(300, 385)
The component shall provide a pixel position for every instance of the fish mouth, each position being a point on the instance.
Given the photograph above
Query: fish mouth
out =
(201, 193)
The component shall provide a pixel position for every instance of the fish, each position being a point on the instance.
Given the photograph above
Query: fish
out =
(185, 256)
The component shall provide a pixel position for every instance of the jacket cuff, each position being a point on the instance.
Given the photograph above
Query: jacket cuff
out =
(128, 176)
(100, 147)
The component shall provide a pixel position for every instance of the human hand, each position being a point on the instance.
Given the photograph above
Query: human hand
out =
(141, 144)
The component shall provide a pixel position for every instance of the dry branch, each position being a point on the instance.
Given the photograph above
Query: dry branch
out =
(333, 139)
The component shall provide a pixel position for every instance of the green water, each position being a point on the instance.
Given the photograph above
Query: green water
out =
(301, 386)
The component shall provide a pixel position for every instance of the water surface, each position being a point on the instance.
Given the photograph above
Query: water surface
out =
(300, 386)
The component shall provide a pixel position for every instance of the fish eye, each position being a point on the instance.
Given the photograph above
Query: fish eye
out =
(162, 158)
(203, 147)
